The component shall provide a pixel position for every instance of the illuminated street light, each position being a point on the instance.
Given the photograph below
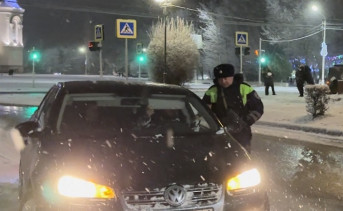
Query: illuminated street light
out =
(315, 8)
(323, 51)
(82, 49)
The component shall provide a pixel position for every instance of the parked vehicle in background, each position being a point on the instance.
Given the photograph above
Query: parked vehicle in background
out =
(334, 75)
(110, 145)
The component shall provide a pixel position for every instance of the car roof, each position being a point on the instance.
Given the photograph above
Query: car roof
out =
(136, 88)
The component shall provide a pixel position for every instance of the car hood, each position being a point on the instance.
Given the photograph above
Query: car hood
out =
(131, 162)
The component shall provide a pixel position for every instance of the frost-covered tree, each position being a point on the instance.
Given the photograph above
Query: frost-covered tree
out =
(317, 99)
(212, 40)
(219, 22)
(182, 52)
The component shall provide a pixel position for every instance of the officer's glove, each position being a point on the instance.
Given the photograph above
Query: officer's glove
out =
(236, 127)
(233, 123)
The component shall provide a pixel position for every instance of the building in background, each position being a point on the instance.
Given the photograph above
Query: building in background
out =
(11, 36)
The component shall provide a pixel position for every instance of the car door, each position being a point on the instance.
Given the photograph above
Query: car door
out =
(29, 156)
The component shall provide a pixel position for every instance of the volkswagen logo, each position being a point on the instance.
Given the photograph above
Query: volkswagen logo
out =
(175, 195)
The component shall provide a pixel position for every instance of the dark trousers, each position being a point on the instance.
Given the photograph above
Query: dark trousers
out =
(267, 89)
(300, 87)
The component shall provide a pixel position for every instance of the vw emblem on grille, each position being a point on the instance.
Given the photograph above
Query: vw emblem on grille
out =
(175, 195)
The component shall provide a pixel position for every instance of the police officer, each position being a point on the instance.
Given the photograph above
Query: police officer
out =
(236, 104)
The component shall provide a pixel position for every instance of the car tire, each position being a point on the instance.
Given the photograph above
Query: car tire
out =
(26, 200)
(20, 188)
(31, 204)
(266, 203)
(28, 205)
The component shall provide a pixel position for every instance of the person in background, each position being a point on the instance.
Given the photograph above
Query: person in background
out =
(144, 117)
(308, 75)
(236, 104)
(269, 81)
(303, 75)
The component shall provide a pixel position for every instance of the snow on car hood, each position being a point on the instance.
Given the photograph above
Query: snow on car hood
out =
(132, 162)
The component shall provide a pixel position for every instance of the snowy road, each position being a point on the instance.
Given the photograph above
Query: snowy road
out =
(301, 175)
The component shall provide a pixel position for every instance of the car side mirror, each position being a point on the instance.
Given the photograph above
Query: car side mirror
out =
(20, 132)
(27, 128)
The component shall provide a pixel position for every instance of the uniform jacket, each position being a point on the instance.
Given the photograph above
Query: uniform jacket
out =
(240, 97)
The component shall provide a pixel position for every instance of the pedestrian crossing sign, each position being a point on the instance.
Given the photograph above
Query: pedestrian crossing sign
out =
(242, 39)
(126, 28)
(99, 33)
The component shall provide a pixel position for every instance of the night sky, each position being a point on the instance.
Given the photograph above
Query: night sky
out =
(67, 23)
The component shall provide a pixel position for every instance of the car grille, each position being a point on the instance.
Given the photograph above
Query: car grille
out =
(196, 196)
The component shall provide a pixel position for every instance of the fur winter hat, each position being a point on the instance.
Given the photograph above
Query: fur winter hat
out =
(224, 70)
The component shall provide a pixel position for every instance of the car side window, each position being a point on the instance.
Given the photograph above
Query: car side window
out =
(44, 108)
(199, 122)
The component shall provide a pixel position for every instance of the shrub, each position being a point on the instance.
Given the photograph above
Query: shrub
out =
(182, 53)
(317, 99)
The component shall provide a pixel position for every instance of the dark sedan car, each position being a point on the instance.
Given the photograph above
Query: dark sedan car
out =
(110, 145)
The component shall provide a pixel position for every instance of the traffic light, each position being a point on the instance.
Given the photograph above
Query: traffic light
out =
(139, 48)
(141, 58)
(246, 50)
(256, 52)
(238, 51)
(93, 46)
(35, 55)
(263, 60)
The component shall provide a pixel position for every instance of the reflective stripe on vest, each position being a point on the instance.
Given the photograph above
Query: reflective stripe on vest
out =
(243, 89)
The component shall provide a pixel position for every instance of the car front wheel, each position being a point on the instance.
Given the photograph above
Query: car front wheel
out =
(29, 205)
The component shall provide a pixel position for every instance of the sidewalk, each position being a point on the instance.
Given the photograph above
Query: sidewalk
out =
(284, 110)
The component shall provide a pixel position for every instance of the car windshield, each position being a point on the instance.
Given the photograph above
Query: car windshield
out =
(142, 116)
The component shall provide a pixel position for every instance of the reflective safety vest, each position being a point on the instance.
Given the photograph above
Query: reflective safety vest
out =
(244, 90)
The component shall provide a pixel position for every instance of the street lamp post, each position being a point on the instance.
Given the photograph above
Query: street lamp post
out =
(165, 4)
(323, 51)
(165, 44)
(83, 50)
(35, 57)
(33, 67)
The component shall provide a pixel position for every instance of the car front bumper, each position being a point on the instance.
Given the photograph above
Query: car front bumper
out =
(257, 200)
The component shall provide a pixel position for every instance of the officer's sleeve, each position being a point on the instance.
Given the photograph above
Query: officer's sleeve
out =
(255, 107)
(207, 99)
(210, 96)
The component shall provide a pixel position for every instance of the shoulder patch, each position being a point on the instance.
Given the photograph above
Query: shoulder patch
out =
(256, 95)
(246, 83)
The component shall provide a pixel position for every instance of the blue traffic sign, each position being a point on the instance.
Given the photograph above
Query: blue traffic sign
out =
(99, 33)
(242, 39)
(126, 28)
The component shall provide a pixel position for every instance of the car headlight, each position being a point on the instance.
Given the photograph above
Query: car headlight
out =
(246, 179)
(78, 188)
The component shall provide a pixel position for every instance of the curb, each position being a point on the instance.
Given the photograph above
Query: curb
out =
(302, 128)
(18, 105)
(24, 92)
